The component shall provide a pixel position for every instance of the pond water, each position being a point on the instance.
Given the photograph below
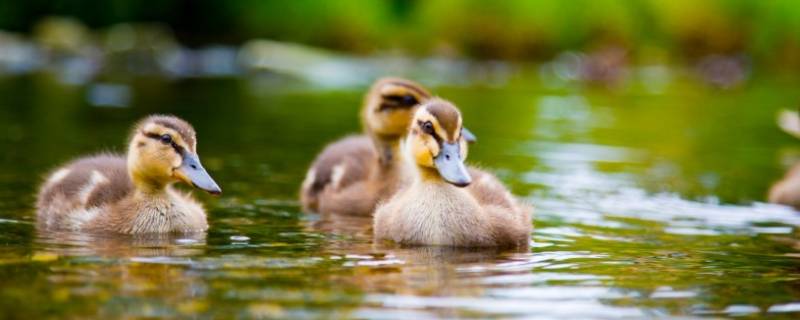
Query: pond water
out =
(648, 203)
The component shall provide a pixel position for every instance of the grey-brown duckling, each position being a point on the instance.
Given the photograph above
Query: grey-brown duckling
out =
(446, 203)
(131, 194)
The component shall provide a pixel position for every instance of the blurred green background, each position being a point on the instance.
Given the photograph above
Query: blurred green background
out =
(682, 30)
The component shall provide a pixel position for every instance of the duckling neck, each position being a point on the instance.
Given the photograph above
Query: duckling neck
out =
(151, 192)
(148, 187)
(388, 150)
(164, 210)
(149, 195)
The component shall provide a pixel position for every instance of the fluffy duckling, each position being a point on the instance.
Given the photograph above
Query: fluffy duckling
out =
(442, 205)
(351, 175)
(133, 194)
(787, 190)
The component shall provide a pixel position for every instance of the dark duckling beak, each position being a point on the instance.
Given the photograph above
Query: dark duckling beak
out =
(193, 173)
(450, 165)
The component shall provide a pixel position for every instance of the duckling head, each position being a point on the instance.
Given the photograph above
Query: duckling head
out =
(436, 140)
(162, 151)
(389, 105)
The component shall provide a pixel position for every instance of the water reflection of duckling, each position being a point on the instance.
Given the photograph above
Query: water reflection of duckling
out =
(787, 190)
(424, 271)
(443, 205)
(107, 193)
(351, 175)
(77, 243)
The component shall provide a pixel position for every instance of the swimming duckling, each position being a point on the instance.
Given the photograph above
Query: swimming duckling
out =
(443, 205)
(787, 190)
(351, 175)
(133, 194)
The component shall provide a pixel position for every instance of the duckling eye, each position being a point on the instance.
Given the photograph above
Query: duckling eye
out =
(428, 127)
(166, 138)
(408, 100)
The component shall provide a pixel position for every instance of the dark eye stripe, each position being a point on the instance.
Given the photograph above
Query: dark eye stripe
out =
(433, 133)
(151, 135)
(403, 99)
(394, 101)
(156, 136)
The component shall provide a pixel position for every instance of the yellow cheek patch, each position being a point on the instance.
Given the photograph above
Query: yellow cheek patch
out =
(152, 154)
(419, 149)
(177, 161)
(432, 145)
(424, 158)
(180, 175)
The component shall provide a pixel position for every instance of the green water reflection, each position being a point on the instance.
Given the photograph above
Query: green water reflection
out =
(648, 204)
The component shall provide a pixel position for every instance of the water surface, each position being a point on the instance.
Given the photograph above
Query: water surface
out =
(648, 203)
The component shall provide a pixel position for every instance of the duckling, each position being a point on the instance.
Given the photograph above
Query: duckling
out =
(789, 122)
(442, 205)
(131, 194)
(351, 175)
(787, 190)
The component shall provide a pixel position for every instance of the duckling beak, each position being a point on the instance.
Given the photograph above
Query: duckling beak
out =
(193, 173)
(450, 165)
(468, 135)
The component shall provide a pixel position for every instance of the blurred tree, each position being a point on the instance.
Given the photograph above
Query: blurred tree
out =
(510, 29)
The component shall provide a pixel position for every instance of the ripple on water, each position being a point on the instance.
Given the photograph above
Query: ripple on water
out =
(602, 207)
(508, 306)
(541, 278)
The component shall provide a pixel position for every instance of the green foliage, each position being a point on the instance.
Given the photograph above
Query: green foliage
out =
(511, 29)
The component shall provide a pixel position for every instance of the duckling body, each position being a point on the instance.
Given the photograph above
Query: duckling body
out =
(443, 205)
(131, 194)
(438, 213)
(350, 176)
(787, 190)
(95, 193)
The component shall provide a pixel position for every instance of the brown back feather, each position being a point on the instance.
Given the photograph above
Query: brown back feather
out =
(112, 167)
(356, 153)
